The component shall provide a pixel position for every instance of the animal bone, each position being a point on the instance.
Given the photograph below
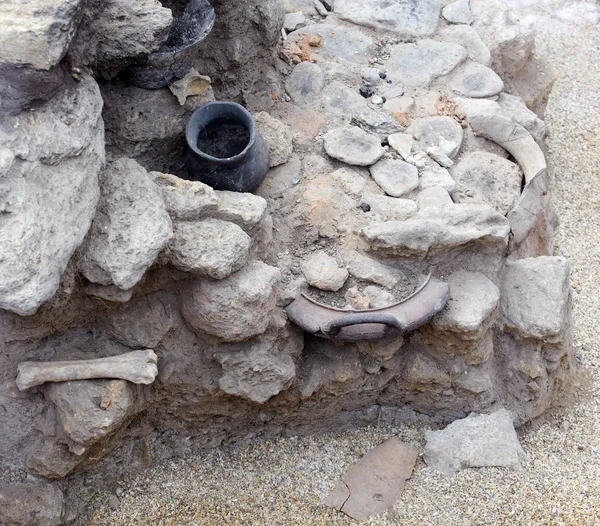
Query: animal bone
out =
(138, 367)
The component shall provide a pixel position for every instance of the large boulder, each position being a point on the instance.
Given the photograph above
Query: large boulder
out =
(49, 164)
(38, 504)
(131, 227)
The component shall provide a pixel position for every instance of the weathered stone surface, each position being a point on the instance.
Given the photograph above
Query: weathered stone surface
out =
(419, 64)
(434, 198)
(536, 297)
(353, 146)
(436, 176)
(433, 231)
(429, 130)
(390, 208)
(378, 298)
(421, 371)
(477, 81)
(349, 181)
(37, 33)
(37, 504)
(483, 177)
(409, 18)
(363, 267)
(108, 292)
(242, 208)
(130, 228)
(376, 122)
(89, 410)
(323, 272)
(185, 199)
(473, 299)
(468, 38)
(49, 192)
(326, 208)
(278, 137)
(458, 12)
(402, 143)
(210, 247)
(475, 441)
(51, 460)
(305, 83)
(293, 21)
(339, 99)
(113, 33)
(192, 85)
(396, 178)
(514, 108)
(235, 308)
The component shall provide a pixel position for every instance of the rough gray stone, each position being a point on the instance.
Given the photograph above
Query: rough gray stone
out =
(89, 410)
(37, 33)
(434, 231)
(514, 108)
(420, 63)
(429, 130)
(410, 18)
(278, 137)
(421, 370)
(483, 177)
(339, 99)
(38, 504)
(390, 208)
(370, 75)
(473, 299)
(48, 196)
(402, 143)
(440, 156)
(113, 33)
(293, 21)
(468, 38)
(475, 441)
(130, 228)
(458, 12)
(396, 178)
(320, 8)
(210, 247)
(536, 298)
(436, 176)
(242, 208)
(376, 122)
(235, 308)
(183, 199)
(365, 268)
(434, 198)
(108, 292)
(349, 181)
(353, 146)
(477, 81)
(323, 272)
(294, 6)
(305, 83)
(379, 298)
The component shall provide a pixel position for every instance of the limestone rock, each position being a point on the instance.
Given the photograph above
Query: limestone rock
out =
(458, 12)
(514, 108)
(48, 196)
(323, 272)
(210, 247)
(293, 21)
(420, 63)
(536, 297)
(235, 308)
(390, 208)
(402, 143)
(353, 146)
(242, 208)
(192, 85)
(349, 181)
(379, 298)
(130, 228)
(411, 18)
(89, 410)
(365, 268)
(483, 177)
(468, 38)
(436, 176)
(339, 99)
(305, 83)
(434, 198)
(434, 231)
(396, 178)
(429, 130)
(420, 371)
(278, 137)
(376, 122)
(37, 33)
(473, 299)
(38, 504)
(477, 81)
(183, 199)
(475, 441)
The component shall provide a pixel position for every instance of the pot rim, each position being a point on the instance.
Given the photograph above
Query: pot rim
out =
(193, 140)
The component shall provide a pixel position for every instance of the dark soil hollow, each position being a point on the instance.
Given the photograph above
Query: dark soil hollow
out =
(223, 138)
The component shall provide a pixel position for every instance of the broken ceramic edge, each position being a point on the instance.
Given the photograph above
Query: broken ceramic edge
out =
(370, 324)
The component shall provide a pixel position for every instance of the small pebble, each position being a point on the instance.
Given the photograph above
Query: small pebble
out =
(377, 100)
(366, 91)
(365, 207)
(382, 75)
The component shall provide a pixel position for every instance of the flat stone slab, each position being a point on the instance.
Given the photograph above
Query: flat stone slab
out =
(420, 63)
(305, 83)
(396, 178)
(477, 81)
(409, 18)
(375, 482)
(352, 145)
(473, 442)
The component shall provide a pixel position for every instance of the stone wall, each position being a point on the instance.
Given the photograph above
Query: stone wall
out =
(104, 250)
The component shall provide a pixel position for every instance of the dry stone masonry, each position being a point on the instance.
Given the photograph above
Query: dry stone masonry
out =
(138, 308)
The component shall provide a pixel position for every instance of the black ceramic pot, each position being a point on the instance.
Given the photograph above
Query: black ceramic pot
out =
(225, 149)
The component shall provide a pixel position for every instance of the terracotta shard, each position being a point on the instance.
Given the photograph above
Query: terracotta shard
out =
(375, 482)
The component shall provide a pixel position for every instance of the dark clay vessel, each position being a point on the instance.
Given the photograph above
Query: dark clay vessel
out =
(225, 149)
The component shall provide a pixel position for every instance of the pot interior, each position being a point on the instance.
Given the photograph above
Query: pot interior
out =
(223, 138)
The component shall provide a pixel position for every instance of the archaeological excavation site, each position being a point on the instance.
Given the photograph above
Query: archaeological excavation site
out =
(245, 220)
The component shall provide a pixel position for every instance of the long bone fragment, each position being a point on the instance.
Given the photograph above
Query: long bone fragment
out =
(138, 367)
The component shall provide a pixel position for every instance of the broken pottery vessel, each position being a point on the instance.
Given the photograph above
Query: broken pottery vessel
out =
(225, 148)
